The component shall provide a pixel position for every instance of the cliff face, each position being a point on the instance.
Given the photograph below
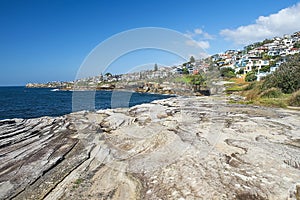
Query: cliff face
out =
(177, 148)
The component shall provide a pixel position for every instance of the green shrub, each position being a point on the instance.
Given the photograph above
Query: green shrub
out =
(227, 72)
(271, 93)
(185, 71)
(198, 79)
(294, 100)
(265, 68)
(286, 77)
(272, 102)
(250, 76)
(241, 71)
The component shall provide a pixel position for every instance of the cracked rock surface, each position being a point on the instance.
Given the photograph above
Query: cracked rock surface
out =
(176, 148)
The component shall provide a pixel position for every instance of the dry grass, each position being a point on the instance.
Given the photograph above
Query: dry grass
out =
(255, 94)
(236, 85)
(294, 99)
(239, 80)
(271, 93)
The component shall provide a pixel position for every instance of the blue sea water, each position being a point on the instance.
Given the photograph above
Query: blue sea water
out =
(21, 102)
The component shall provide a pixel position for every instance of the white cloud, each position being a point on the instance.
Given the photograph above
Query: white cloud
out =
(201, 44)
(198, 31)
(208, 36)
(198, 38)
(286, 21)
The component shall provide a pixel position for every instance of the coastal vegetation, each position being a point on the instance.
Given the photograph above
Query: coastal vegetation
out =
(192, 79)
(155, 67)
(250, 76)
(294, 99)
(279, 89)
(286, 77)
(227, 72)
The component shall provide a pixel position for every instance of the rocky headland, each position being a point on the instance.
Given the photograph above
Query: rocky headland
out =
(137, 86)
(176, 148)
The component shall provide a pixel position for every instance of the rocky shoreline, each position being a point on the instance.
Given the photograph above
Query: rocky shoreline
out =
(176, 148)
(169, 88)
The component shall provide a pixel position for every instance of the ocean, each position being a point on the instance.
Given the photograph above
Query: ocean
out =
(22, 102)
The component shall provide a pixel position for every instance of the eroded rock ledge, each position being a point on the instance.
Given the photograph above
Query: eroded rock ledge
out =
(177, 148)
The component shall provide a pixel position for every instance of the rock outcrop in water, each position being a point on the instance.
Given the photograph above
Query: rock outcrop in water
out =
(177, 148)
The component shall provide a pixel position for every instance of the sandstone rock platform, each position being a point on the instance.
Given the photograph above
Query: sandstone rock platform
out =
(176, 148)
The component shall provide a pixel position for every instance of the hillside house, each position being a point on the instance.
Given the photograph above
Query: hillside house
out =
(293, 51)
(274, 52)
(254, 63)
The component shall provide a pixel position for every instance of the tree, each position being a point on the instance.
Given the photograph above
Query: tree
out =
(266, 41)
(197, 79)
(297, 45)
(265, 68)
(265, 56)
(108, 74)
(241, 71)
(185, 70)
(155, 67)
(248, 48)
(192, 59)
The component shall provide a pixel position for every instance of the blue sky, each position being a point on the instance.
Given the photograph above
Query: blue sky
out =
(43, 40)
